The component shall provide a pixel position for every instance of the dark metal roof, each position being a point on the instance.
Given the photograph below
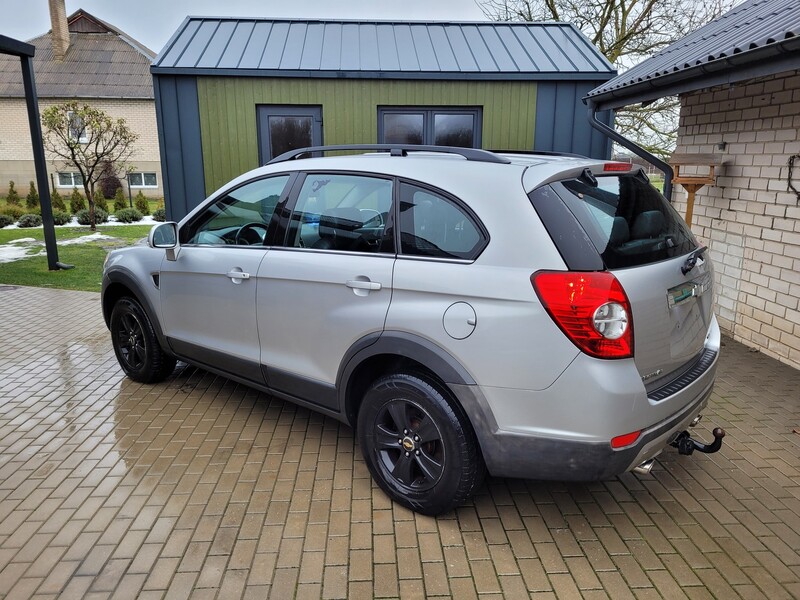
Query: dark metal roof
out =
(105, 64)
(312, 48)
(756, 38)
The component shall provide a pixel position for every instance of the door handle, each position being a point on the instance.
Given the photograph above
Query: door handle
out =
(358, 284)
(237, 276)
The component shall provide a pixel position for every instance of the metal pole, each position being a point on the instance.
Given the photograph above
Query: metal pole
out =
(636, 149)
(128, 179)
(40, 164)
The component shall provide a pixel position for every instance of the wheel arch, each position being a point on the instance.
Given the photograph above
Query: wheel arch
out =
(394, 351)
(118, 284)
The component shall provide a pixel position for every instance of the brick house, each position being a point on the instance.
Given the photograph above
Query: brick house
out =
(738, 79)
(92, 62)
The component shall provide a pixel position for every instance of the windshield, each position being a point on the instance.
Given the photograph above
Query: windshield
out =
(627, 219)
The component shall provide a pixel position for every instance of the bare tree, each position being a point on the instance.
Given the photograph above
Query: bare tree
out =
(88, 139)
(626, 32)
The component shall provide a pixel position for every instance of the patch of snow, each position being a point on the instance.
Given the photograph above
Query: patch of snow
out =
(11, 253)
(86, 238)
(21, 248)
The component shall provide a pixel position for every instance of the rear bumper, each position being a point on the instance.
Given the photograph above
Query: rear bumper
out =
(540, 445)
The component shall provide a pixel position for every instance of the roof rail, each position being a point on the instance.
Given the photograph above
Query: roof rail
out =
(540, 153)
(395, 150)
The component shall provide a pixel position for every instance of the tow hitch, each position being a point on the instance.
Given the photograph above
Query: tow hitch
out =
(686, 444)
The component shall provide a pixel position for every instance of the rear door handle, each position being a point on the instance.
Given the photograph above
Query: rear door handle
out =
(357, 284)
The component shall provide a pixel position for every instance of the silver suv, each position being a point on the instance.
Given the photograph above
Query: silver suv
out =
(532, 315)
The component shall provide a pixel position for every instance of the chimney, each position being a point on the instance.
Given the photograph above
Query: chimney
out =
(60, 30)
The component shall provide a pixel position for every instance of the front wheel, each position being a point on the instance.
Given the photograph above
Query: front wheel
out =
(419, 447)
(136, 345)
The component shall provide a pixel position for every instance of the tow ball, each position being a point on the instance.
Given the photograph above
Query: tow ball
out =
(686, 444)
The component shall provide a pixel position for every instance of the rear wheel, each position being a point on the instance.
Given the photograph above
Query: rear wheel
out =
(136, 345)
(418, 445)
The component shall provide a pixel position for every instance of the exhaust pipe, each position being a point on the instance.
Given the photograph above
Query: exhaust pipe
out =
(645, 467)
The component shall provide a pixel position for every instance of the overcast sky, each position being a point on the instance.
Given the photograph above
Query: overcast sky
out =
(152, 22)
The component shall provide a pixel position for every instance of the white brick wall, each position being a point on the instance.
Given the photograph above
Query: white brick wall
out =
(16, 156)
(749, 219)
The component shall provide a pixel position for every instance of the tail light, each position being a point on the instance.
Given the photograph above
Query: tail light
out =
(591, 308)
(616, 166)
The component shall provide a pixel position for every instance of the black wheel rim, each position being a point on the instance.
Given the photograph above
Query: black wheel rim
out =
(130, 341)
(409, 445)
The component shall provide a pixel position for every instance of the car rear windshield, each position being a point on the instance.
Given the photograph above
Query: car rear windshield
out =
(627, 219)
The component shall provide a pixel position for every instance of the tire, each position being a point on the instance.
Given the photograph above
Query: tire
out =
(418, 445)
(136, 345)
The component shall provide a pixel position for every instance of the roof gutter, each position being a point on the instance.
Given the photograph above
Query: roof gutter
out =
(760, 62)
(635, 148)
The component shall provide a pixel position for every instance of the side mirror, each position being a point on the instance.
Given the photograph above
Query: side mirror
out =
(165, 235)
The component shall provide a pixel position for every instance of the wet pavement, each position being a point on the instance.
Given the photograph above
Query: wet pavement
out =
(201, 487)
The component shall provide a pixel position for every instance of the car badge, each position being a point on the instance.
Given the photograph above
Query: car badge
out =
(651, 375)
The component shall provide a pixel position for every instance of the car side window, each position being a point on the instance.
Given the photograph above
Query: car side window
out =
(432, 225)
(342, 212)
(241, 217)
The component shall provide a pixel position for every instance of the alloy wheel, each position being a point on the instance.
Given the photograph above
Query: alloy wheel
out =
(409, 444)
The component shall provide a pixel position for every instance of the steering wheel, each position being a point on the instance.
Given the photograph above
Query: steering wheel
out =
(247, 235)
(377, 216)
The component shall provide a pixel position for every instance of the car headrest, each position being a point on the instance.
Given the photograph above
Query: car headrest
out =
(648, 224)
(620, 232)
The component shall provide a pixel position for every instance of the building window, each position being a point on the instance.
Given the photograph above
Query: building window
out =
(70, 180)
(440, 126)
(143, 180)
(77, 130)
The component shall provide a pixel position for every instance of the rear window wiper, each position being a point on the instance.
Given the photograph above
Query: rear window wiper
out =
(691, 260)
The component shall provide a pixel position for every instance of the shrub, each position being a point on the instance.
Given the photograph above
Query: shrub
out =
(141, 204)
(12, 198)
(109, 182)
(15, 212)
(29, 221)
(100, 202)
(119, 200)
(128, 215)
(32, 199)
(160, 214)
(100, 216)
(57, 201)
(61, 217)
(5, 221)
(77, 202)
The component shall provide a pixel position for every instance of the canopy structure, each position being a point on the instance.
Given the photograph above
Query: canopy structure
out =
(25, 52)
(755, 39)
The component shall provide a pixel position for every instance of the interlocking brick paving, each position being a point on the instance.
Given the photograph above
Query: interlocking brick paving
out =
(201, 487)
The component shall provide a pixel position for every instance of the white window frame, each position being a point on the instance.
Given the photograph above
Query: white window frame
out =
(143, 185)
(83, 138)
(72, 175)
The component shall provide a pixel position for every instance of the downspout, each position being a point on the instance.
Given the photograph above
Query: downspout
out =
(637, 150)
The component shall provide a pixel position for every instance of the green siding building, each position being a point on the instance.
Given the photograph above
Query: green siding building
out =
(233, 93)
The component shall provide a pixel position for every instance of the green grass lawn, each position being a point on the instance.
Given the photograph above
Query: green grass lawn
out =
(87, 257)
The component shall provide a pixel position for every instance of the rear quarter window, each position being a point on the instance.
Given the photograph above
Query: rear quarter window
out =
(627, 220)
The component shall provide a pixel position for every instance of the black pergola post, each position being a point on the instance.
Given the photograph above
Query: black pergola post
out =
(26, 52)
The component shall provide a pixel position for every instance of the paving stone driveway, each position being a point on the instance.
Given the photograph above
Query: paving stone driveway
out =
(205, 488)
